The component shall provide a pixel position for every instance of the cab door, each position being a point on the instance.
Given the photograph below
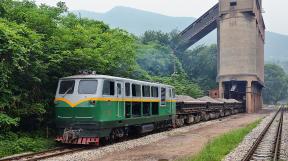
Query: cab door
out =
(120, 98)
(169, 99)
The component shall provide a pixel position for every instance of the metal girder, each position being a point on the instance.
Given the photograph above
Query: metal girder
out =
(198, 29)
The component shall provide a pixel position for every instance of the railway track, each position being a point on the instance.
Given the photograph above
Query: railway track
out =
(64, 150)
(45, 154)
(267, 145)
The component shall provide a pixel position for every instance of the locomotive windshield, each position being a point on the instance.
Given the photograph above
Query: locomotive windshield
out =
(67, 87)
(87, 86)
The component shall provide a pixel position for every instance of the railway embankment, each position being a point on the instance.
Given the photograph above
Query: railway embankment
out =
(169, 145)
(247, 143)
(268, 141)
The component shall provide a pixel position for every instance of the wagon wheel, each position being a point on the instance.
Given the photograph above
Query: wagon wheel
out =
(206, 117)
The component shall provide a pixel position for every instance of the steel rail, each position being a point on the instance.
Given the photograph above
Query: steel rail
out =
(278, 138)
(251, 151)
(41, 155)
(56, 154)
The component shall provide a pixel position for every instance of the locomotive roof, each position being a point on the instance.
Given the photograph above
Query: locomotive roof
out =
(96, 76)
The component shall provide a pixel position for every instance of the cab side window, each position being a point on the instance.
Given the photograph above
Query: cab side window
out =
(136, 90)
(154, 92)
(127, 89)
(146, 91)
(109, 88)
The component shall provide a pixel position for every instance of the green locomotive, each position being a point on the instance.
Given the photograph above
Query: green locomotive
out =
(91, 107)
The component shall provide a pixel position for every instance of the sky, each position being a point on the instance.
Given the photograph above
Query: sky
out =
(275, 11)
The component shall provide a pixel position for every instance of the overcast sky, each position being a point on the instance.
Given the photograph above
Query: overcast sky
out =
(275, 16)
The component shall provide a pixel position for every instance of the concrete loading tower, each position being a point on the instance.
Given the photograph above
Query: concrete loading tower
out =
(241, 37)
(241, 51)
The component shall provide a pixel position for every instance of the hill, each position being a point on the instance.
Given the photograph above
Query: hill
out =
(138, 21)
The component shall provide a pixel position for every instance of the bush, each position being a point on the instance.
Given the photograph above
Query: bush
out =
(182, 84)
(12, 143)
(6, 122)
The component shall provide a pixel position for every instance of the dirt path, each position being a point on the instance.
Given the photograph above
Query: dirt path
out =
(183, 144)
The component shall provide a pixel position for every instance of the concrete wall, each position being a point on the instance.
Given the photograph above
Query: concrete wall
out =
(238, 45)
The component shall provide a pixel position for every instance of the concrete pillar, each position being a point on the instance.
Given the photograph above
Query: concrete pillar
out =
(221, 90)
(253, 98)
(257, 101)
(261, 100)
(249, 107)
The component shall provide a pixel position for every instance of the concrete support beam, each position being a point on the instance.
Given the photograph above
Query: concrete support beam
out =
(249, 98)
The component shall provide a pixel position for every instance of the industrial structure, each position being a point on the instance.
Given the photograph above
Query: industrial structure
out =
(240, 37)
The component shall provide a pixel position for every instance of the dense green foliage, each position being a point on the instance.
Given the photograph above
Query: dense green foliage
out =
(38, 45)
(201, 65)
(158, 57)
(12, 143)
(182, 85)
(276, 84)
(219, 147)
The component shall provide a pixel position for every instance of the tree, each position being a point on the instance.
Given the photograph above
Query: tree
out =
(182, 84)
(200, 64)
(156, 59)
(276, 84)
(38, 45)
(156, 36)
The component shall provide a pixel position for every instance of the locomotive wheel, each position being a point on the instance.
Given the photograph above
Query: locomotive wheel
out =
(179, 122)
(112, 137)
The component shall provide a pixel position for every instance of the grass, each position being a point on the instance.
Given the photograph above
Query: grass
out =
(14, 143)
(219, 147)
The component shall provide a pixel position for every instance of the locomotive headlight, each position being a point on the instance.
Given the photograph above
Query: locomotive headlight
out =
(56, 102)
(92, 102)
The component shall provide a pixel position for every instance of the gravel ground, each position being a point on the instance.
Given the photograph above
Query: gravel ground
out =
(284, 139)
(122, 146)
(238, 153)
